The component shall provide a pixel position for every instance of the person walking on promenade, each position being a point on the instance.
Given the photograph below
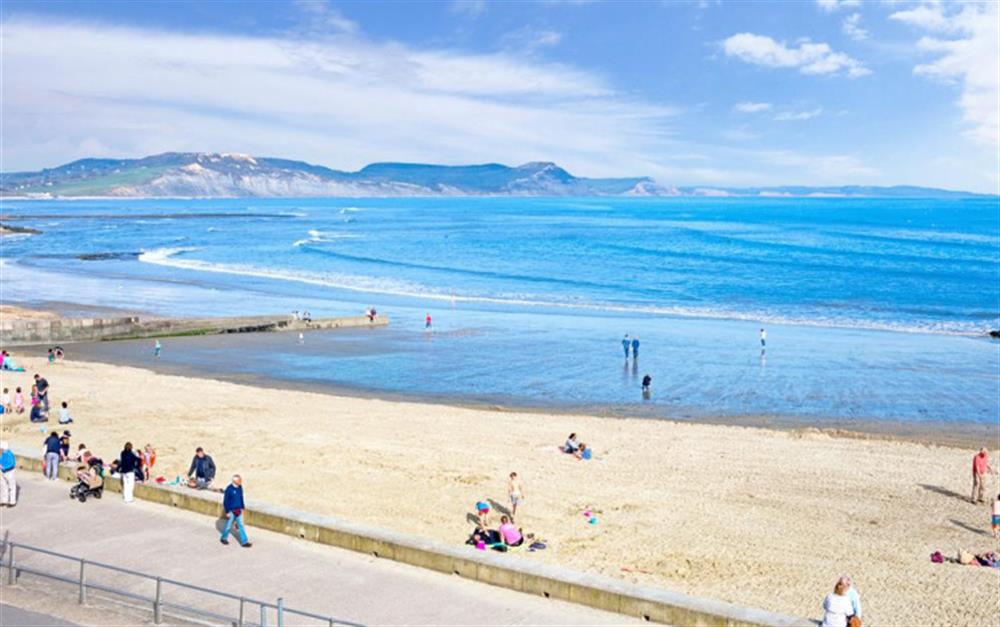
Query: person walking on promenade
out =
(202, 470)
(8, 478)
(232, 504)
(128, 463)
(625, 344)
(53, 449)
(635, 348)
(980, 466)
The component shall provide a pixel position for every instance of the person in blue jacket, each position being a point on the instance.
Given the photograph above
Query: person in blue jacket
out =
(635, 347)
(625, 345)
(232, 504)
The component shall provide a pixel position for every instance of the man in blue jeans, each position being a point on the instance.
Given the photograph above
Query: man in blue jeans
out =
(232, 504)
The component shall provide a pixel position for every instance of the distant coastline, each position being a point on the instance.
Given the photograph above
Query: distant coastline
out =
(190, 176)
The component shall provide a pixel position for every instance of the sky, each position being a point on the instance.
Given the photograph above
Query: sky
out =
(826, 92)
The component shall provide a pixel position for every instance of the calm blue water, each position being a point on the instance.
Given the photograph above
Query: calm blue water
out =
(875, 309)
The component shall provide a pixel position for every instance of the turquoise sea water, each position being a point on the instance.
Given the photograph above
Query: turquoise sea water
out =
(875, 309)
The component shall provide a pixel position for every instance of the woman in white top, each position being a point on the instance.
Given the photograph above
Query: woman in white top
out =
(837, 607)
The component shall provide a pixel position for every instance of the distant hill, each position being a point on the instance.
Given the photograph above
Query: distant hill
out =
(197, 174)
(227, 175)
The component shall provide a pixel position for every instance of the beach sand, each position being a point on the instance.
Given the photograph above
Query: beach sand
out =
(758, 517)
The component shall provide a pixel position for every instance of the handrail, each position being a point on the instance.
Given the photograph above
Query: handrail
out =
(13, 571)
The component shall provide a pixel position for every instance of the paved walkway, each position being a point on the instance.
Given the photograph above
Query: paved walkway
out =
(315, 578)
(11, 616)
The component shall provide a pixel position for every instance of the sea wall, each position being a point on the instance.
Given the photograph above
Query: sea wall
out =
(69, 330)
(508, 571)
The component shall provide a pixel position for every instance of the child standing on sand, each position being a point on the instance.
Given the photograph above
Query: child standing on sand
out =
(7, 408)
(516, 492)
(19, 401)
(996, 518)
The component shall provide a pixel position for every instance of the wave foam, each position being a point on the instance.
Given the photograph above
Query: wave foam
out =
(405, 289)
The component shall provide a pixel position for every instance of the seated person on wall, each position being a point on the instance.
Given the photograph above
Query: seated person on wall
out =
(202, 470)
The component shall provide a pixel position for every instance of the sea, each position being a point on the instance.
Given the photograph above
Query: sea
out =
(877, 311)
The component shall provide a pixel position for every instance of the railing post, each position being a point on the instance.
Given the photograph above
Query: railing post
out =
(263, 615)
(242, 603)
(83, 582)
(157, 612)
(281, 612)
(10, 566)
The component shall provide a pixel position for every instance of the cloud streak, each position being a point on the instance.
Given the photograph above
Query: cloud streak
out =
(807, 57)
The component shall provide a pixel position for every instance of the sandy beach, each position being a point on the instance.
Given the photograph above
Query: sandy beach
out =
(759, 517)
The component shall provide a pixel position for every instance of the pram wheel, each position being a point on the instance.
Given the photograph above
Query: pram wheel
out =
(82, 497)
(97, 494)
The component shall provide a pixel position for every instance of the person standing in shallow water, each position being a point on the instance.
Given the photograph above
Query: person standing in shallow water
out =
(157, 348)
(625, 344)
(635, 347)
(763, 338)
(427, 322)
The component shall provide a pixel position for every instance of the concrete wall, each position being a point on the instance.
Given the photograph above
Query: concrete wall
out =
(509, 571)
(68, 330)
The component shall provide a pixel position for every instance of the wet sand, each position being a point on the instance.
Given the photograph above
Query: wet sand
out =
(767, 518)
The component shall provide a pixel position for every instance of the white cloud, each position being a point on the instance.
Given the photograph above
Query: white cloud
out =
(966, 45)
(320, 16)
(797, 116)
(752, 107)
(528, 39)
(807, 57)
(470, 8)
(337, 99)
(835, 5)
(852, 27)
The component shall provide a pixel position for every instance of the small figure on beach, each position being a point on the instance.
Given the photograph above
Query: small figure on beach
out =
(43, 391)
(996, 518)
(427, 322)
(516, 493)
(148, 456)
(52, 357)
(37, 413)
(482, 513)
(232, 504)
(64, 444)
(8, 477)
(157, 348)
(64, 417)
(763, 338)
(18, 401)
(626, 343)
(980, 467)
(128, 464)
(371, 313)
(646, 382)
(583, 452)
(635, 348)
(837, 606)
(53, 453)
(306, 316)
(202, 470)
(512, 536)
(571, 444)
(5, 401)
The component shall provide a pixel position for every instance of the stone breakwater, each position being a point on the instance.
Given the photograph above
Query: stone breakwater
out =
(68, 330)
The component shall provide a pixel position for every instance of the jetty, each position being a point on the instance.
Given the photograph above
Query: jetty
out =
(22, 332)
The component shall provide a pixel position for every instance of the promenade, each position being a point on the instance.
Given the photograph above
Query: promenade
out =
(315, 578)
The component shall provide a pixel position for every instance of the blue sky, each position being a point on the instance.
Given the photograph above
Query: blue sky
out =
(692, 93)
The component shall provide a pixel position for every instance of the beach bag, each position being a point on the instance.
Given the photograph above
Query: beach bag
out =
(937, 558)
(854, 621)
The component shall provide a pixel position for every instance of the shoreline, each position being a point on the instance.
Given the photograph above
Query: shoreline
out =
(958, 435)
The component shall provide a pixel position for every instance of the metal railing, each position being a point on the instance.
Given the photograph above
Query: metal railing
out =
(158, 602)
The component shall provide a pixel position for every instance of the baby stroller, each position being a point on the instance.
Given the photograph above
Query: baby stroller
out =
(91, 481)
